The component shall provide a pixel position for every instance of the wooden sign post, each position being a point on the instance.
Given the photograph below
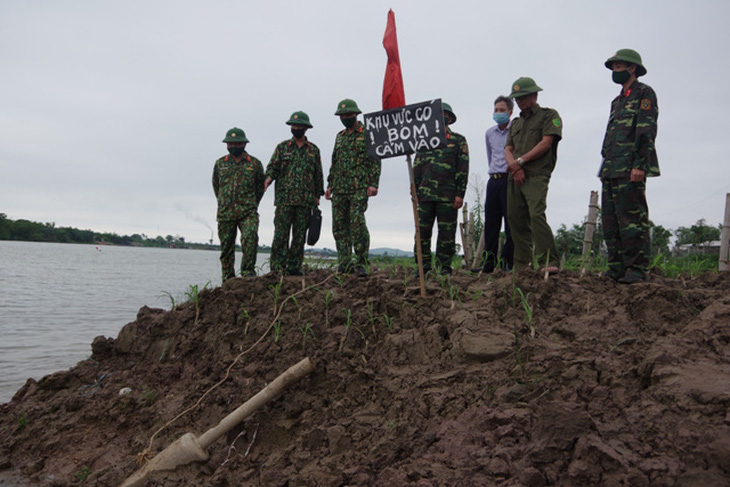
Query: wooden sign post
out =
(405, 131)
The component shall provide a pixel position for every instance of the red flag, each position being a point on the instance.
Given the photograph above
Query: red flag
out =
(393, 94)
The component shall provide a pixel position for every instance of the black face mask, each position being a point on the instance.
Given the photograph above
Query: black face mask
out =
(298, 133)
(236, 151)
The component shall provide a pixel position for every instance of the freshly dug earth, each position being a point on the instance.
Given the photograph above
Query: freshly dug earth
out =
(488, 380)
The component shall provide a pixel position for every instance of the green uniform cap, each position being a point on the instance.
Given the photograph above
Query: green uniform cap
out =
(235, 135)
(524, 86)
(347, 106)
(299, 118)
(628, 56)
(447, 109)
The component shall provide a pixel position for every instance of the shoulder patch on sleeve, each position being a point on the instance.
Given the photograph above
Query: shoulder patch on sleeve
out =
(645, 104)
(556, 122)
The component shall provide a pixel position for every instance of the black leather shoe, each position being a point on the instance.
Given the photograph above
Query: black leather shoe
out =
(632, 278)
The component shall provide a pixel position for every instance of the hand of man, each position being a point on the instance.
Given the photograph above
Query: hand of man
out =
(637, 176)
(267, 183)
(458, 202)
(328, 194)
(519, 177)
(372, 191)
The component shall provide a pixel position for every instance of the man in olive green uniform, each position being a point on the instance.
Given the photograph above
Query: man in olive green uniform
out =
(296, 166)
(238, 184)
(441, 176)
(629, 157)
(531, 152)
(352, 179)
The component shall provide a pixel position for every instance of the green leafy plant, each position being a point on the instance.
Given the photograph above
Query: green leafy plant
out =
(277, 331)
(524, 301)
(339, 279)
(306, 330)
(371, 316)
(149, 396)
(82, 474)
(22, 421)
(388, 321)
(276, 292)
(171, 297)
(329, 295)
(244, 316)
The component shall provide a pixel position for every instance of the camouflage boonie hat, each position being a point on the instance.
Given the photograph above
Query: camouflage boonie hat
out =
(628, 56)
(299, 118)
(235, 135)
(524, 86)
(447, 109)
(347, 106)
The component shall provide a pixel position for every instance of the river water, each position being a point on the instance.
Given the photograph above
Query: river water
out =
(56, 298)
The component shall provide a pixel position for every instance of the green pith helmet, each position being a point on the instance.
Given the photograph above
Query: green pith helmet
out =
(524, 86)
(628, 56)
(235, 135)
(347, 106)
(299, 118)
(447, 109)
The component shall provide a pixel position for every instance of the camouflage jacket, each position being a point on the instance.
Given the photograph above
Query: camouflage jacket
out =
(630, 135)
(298, 174)
(526, 132)
(238, 186)
(442, 174)
(352, 170)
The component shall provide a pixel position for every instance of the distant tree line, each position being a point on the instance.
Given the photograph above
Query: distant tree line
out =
(29, 231)
(569, 241)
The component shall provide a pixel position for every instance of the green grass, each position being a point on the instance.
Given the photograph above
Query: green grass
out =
(82, 474)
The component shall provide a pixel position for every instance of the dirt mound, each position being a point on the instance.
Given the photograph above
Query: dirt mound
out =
(507, 379)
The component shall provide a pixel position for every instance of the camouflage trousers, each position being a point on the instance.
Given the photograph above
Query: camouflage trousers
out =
(287, 256)
(526, 207)
(625, 220)
(249, 227)
(350, 228)
(446, 215)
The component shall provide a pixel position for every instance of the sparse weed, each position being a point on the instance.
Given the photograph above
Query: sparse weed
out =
(171, 297)
(244, 316)
(82, 474)
(277, 331)
(22, 421)
(149, 396)
(306, 330)
(276, 292)
(371, 316)
(388, 321)
(329, 295)
(528, 311)
(348, 324)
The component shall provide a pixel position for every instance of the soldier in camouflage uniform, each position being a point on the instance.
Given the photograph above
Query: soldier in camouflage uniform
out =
(352, 179)
(629, 157)
(296, 166)
(441, 176)
(238, 184)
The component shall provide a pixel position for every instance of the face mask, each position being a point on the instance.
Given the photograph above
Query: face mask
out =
(349, 122)
(298, 133)
(501, 118)
(236, 151)
(621, 77)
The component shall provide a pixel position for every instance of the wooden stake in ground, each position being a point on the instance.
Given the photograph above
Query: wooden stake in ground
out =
(188, 448)
(419, 252)
(590, 229)
(724, 264)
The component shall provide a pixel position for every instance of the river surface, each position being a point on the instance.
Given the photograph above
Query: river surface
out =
(56, 298)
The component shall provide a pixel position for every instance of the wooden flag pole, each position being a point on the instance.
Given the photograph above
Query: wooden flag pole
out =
(414, 200)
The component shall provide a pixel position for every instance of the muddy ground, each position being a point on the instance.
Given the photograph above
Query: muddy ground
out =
(499, 380)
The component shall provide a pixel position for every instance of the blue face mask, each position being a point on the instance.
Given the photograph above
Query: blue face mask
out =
(501, 118)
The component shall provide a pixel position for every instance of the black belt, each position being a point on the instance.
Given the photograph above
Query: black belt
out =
(498, 175)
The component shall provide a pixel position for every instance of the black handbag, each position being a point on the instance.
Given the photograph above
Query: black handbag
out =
(314, 227)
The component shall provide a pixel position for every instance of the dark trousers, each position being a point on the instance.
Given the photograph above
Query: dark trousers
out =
(495, 211)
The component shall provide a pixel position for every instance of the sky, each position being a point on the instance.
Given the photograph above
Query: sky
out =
(112, 113)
